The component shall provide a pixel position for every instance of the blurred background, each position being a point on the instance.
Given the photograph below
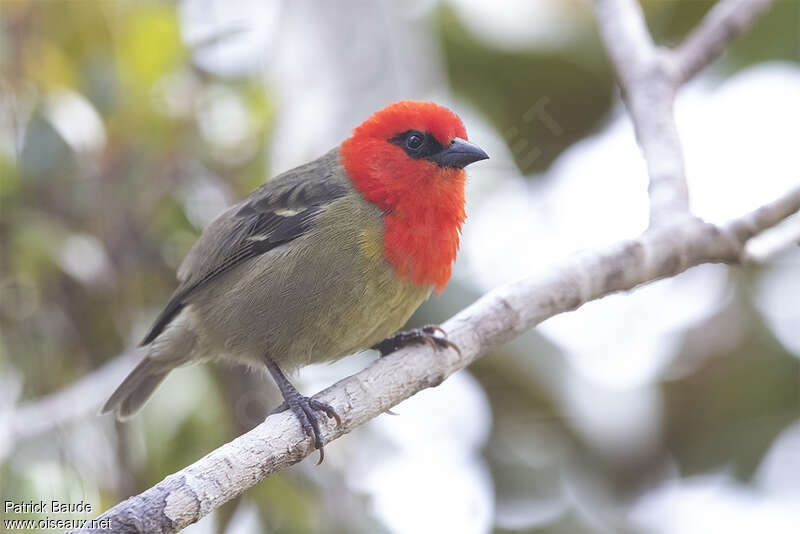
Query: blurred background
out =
(125, 127)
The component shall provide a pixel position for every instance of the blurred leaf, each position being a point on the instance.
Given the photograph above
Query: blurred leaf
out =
(35, 246)
(52, 68)
(286, 504)
(540, 101)
(259, 104)
(529, 440)
(726, 414)
(46, 157)
(9, 181)
(175, 437)
(149, 44)
(101, 84)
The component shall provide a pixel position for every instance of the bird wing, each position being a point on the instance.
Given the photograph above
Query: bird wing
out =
(274, 214)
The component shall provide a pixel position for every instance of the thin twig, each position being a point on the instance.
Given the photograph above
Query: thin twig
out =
(649, 90)
(725, 22)
(772, 243)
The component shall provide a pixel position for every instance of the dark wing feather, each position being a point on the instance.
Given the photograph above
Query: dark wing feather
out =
(274, 214)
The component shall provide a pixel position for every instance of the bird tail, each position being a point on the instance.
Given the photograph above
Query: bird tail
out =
(137, 387)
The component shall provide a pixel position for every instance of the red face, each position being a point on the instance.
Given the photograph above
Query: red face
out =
(409, 160)
(406, 147)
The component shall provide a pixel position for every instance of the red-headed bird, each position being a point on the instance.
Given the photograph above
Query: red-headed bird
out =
(322, 261)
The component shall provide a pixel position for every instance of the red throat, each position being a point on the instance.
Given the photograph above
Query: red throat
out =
(424, 203)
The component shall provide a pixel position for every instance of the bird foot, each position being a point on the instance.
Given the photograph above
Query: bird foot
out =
(305, 409)
(426, 334)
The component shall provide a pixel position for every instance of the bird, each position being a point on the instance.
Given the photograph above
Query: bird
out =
(322, 261)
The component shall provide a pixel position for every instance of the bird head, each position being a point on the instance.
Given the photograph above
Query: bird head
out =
(408, 149)
(408, 159)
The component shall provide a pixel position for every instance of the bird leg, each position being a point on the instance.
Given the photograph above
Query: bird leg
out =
(426, 334)
(304, 408)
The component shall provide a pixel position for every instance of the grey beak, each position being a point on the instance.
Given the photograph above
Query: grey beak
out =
(458, 154)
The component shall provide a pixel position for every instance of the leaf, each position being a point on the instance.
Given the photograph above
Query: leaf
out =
(727, 412)
(149, 44)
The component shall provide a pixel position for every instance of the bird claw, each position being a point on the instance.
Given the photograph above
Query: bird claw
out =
(305, 408)
(433, 329)
(327, 408)
(426, 334)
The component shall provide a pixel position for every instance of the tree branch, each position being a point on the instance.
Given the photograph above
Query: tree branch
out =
(650, 78)
(725, 22)
(771, 243)
(649, 90)
(622, 27)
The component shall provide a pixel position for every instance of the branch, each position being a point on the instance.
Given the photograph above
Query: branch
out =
(650, 78)
(771, 243)
(503, 314)
(725, 22)
(622, 27)
(649, 90)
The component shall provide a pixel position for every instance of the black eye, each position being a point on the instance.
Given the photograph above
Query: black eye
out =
(416, 144)
(414, 141)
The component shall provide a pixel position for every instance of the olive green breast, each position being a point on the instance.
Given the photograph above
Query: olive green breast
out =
(328, 293)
